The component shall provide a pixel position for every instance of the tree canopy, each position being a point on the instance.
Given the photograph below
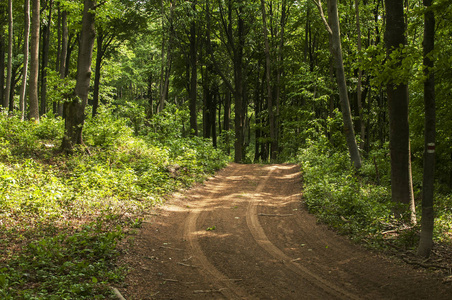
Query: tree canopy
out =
(260, 80)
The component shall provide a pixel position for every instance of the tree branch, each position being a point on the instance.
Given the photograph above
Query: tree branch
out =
(318, 3)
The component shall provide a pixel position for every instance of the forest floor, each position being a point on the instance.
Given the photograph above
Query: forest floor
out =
(245, 234)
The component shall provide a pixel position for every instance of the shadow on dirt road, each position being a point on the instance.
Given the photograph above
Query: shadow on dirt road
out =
(245, 234)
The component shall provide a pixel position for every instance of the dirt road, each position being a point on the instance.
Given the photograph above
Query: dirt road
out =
(244, 234)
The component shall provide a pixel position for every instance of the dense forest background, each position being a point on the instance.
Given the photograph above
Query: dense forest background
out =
(130, 99)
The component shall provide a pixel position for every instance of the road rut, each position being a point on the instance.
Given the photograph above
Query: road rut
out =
(245, 234)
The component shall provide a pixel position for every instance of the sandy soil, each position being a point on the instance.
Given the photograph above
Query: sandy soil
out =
(244, 234)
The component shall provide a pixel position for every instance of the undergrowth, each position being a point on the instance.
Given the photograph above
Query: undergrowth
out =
(62, 216)
(359, 203)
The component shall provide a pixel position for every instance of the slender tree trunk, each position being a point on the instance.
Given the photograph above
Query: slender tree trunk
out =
(307, 31)
(279, 71)
(58, 54)
(206, 98)
(227, 118)
(26, 50)
(336, 51)
(64, 53)
(10, 55)
(193, 77)
(220, 128)
(239, 119)
(75, 108)
(426, 241)
(165, 87)
(257, 112)
(166, 63)
(271, 113)
(213, 110)
(150, 109)
(34, 61)
(162, 67)
(99, 54)
(15, 77)
(72, 42)
(45, 60)
(361, 127)
(2, 67)
(399, 132)
(237, 49)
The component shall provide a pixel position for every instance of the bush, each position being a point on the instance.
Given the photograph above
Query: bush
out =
(21, 136)
(76, 266)
(104, 130)
(349, 203)
(50, 128)
(61, 216)
(359, 204)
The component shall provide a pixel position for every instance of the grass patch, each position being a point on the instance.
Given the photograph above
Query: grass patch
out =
(62, 216)
(360, 205)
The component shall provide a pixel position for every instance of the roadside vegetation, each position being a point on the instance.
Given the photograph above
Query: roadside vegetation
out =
(61, 216)
(358, 204)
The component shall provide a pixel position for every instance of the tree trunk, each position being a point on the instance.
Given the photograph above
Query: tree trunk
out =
(257, 113)
(58, 55)
(2, 67)
(279, 71)
(166, 63)
(227, 118)
(150, 109)
(399, 132)
(426, 241)
(15, 77)
(58, 52)
(206, 99)
(237, 90)
(26, 50)
(336, 52)
(75, 108)
(10, 56)
(271, 113)
(72, 42)
(64, 53)
(193, 78)
(45, 60)
(99, 54)
(34, 61)
(361, 126)
(238, 102)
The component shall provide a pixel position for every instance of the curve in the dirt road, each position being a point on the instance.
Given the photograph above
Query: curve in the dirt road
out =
(224, 285)
(261, 238)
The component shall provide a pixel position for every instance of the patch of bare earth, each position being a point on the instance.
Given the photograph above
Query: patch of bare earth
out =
(244, 234)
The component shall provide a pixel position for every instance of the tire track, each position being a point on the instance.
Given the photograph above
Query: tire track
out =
(223, 284)
(261, 238)
(257, 249)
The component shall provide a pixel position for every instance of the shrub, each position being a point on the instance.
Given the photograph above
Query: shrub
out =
(338, 196)
(104, 130)
(61, 216)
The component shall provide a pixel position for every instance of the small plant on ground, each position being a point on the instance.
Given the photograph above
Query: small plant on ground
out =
(359, 204)
(61, 217)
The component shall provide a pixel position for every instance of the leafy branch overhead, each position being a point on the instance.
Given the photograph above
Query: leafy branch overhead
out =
(108, 105)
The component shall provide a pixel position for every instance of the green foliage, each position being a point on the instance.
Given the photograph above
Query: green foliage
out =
(50, 128)
(360, 204)
(76, 266)
(61, 89)
(61, 216)
(168, 125)
(28, 138)
(348, 203)
(134, 114)
(105, 129)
